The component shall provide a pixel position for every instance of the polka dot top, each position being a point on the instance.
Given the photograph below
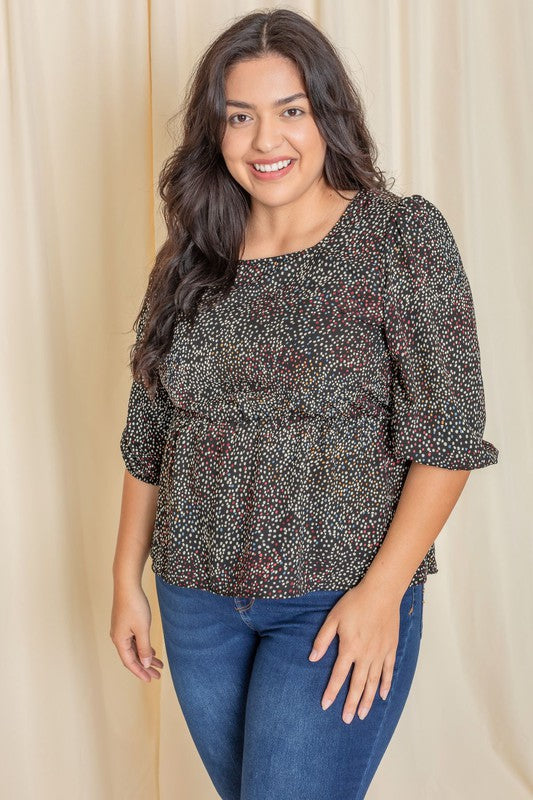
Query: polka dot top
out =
(288, 414)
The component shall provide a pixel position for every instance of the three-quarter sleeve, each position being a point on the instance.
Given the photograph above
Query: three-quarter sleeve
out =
(437, 394)
(147, 423)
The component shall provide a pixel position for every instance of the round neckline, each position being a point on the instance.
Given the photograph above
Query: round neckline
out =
(313, 247)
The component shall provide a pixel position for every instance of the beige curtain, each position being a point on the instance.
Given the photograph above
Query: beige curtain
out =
(87, 88)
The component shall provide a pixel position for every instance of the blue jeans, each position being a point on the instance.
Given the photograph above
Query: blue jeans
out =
(251, 697)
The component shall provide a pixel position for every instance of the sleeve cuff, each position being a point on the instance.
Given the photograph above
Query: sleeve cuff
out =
(431, 440)
(141, 468)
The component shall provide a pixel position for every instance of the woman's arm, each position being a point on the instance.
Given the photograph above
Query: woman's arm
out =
(131, 616)
(366, 618)
(137, 517)
(142, 445)
(428, 497)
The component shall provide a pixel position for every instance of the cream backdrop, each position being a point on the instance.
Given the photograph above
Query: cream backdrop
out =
(87, 89)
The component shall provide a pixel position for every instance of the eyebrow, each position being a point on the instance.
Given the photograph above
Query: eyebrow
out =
(281, 102)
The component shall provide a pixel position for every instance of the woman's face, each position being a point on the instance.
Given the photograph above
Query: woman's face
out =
(262, 130)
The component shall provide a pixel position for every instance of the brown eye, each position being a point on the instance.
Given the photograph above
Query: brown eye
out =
(234, 119)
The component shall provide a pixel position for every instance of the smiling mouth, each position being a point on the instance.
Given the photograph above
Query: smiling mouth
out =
(277, 166)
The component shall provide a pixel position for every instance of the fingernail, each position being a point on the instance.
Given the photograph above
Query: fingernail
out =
(363, 712)
(384, 695)
(146, 662)
(348, 718)
(326, 704)
(313, 654)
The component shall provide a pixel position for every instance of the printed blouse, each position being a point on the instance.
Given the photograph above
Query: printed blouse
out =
(288, 415)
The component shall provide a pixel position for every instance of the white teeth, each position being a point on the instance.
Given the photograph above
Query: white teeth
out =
(272, 167)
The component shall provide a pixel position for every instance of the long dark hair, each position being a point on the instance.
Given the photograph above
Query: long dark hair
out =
(204, 208)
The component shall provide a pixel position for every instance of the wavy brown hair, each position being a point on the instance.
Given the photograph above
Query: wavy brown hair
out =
(205, 209)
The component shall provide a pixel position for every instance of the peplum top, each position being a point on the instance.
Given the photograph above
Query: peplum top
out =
(288, 415)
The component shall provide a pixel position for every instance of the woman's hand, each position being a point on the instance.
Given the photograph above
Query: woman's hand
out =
(368, 626)
(130, 631)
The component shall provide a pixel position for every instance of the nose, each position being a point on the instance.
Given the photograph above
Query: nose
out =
(267, 135)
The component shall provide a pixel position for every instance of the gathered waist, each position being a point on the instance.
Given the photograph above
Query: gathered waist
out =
(275, 409)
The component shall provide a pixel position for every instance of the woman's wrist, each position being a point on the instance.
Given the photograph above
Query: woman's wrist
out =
(127, 575)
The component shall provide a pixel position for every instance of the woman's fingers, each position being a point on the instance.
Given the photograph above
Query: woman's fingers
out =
(338, 675)
(386, 675)
(145, 650)
(130, 632)
(364, 681)
(129, 654)
(324, 637)
(363, 643)
(156, 662)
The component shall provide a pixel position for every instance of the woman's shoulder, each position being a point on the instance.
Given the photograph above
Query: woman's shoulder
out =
(407, 223)
(419, 247)
(407, 211)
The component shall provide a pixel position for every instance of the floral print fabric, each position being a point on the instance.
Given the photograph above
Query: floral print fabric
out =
(289, 413)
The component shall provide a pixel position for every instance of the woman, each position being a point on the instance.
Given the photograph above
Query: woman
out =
(306, 406)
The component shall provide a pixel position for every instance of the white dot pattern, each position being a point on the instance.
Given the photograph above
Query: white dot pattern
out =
(288, 415)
